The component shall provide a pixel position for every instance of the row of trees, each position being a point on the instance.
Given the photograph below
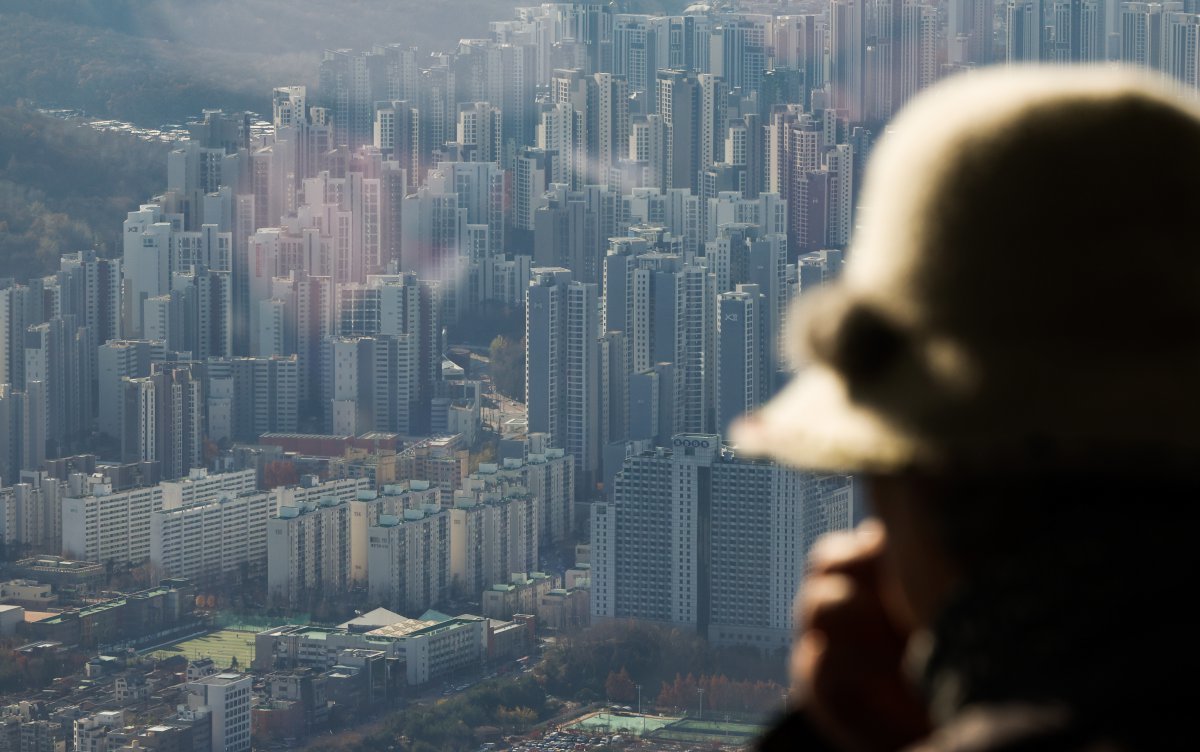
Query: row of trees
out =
(107, 72)
(717, 692)
(721, 693)
(580, 666)
(508, 366)
(454, 725)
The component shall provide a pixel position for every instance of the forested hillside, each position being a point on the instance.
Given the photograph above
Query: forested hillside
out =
(66, 187)
(110, 74)
(151, 62)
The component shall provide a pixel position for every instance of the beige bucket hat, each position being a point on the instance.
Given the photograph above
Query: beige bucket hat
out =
(1022, 292)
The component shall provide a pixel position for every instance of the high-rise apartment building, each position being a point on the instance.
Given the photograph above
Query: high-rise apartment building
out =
(226, 697)
(573, 228)
(847, 57)
(917, 49)
(163, 418)
(480, 131)
(799, 45)
(742, 367)
(100, 285)
(699, 538)
(434, 229)
(548, 473)
(118, 360)
(308, 549)
(61, 355)
(679, 104)
(201, 486)
(635, 51)
(21, 306)
(31, 514)
(196, 536)
(318, 543)
(1181, 49)
(218, 541)
(103, 525)
(146, 261)
(247, 397)
(493, 532)
(562, 330)
(22, 429)
(370, 384)
(408, 566)
(695, 349)
(738, 50)
(970, 32)
(1024, 30)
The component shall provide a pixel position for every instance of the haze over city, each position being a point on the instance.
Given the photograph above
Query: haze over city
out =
(367, 368)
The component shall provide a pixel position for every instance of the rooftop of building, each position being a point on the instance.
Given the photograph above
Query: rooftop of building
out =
(220, 680)
(96, 608)
(446, 626)
(316, 633)
(410, 515)
(378, 618)
(436, 442)
(57, 563)
(292, 511)
(402, 628)
(22, 582)
(409, 486)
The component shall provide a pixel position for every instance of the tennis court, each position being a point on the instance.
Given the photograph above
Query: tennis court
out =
(701, 731)
(613, 723)
(674, 729)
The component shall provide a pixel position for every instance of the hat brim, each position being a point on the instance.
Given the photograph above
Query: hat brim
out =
(813, 424)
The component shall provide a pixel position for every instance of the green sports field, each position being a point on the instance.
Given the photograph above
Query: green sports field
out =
(221, 646)
(702, 731)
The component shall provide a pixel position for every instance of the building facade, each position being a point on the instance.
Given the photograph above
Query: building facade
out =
(697, 537)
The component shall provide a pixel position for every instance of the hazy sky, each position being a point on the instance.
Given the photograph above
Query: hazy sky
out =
(245, 44)
(286, 37)
(282, 26)
(228, 49)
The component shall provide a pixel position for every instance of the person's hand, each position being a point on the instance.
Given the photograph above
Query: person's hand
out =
(846, 662)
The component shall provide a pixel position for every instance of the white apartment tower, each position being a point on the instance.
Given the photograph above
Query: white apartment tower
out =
(562, 330)
(493, 534)
(847, 50)
(227, 698)
(695, 350)
(104, 525)
(308, 551)
(408, 566)
(213, 542)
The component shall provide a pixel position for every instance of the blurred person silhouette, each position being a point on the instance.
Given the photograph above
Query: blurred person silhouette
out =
(1010, 363)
